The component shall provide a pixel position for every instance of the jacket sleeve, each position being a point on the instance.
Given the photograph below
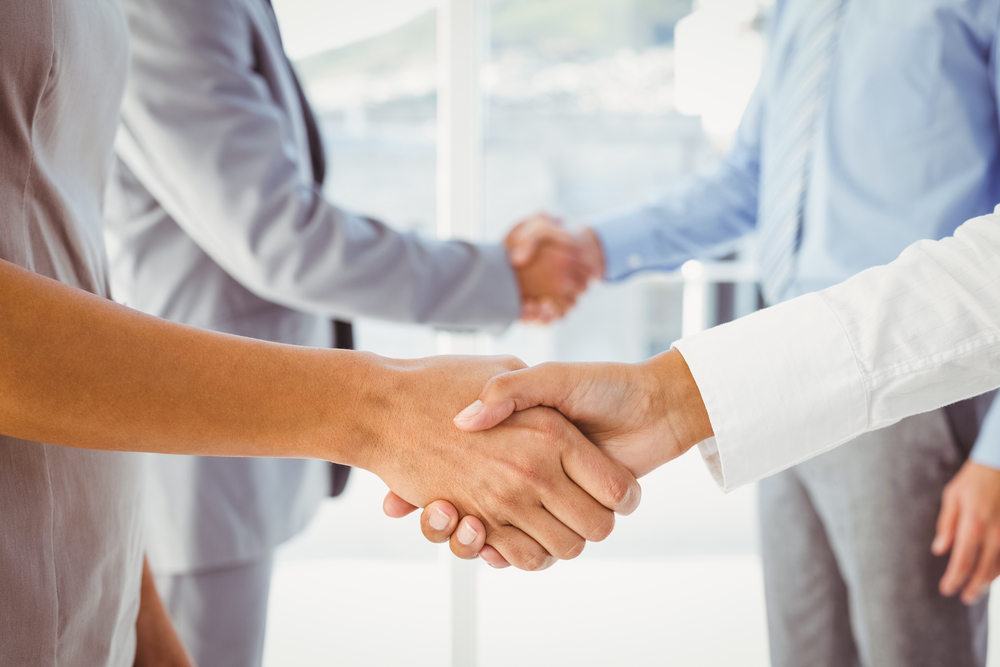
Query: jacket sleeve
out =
(203, 129)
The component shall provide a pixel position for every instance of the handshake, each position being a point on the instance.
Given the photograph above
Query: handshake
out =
(552, 265)
(537, 465)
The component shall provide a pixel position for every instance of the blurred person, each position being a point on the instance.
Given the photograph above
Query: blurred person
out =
(84, 380)
(216, 219)
(874, 125)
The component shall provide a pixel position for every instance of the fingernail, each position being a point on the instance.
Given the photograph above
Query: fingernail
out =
(466, 535)
(470, 412)
(439, 520)
(938, 544)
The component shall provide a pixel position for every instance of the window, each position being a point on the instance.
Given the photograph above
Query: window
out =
(584, 112)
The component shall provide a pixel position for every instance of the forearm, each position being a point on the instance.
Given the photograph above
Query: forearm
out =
(81, 371)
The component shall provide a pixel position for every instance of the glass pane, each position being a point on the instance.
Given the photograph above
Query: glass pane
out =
(374, 87)
(595, 106)
(370, 70)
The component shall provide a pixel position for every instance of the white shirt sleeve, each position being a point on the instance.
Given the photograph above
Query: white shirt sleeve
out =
(800, 378)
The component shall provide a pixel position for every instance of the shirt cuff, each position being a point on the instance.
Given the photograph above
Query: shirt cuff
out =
(780, 386)
(625, 240)
(987, 448)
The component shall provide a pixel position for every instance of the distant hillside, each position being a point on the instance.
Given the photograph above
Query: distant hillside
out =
(411, 46)
(557, 29)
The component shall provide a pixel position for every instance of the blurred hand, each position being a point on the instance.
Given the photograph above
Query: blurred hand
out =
(969, 526)
(553, 266)
(156, 641)
(641, 415)
(538, 487)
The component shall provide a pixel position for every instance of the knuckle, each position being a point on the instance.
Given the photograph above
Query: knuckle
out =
(511, 363)
(618, 491)
(506, 499)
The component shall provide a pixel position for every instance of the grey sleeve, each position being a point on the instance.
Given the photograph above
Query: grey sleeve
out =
(201, 128)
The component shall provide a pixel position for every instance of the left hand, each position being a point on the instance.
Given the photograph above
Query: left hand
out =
(156, 641)
(969, 526)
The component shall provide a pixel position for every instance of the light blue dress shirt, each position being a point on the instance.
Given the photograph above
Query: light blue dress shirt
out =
(907, 148)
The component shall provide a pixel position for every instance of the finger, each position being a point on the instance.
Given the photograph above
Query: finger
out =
(395, 507)
(596, 473)
(517, 390)
(493, 558)
(469, 538)
(552, 534)
(963, 555)
(524, 250)
(569, 504)
(946, 524)
(438, 521)
(525, 240)
(983, 574)
(519, 549)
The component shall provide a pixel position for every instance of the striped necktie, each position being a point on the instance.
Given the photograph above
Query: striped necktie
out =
(798, 98)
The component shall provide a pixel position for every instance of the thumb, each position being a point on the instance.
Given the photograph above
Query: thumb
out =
(523, 249)
(395, 507)
(526, 238)
(510, 392)
(946, 526)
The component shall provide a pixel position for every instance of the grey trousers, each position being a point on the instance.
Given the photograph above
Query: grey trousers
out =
(221, 613)
(846, 544)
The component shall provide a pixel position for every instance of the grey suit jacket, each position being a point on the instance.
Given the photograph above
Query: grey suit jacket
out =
(214, 221)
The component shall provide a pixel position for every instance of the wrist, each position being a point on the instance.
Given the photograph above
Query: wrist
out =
(592, 251)
(359, 436)
(676, 398)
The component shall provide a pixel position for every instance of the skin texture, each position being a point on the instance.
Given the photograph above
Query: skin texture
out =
(642, 415)
(157, 644)
(969, 527)
(80, 371)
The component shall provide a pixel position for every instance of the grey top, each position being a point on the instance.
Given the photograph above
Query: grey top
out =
(214, 220)
(71, 545)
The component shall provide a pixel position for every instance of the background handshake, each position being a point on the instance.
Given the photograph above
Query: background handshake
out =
(553, 266)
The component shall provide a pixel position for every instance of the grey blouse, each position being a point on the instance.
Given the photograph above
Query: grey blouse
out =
(70, 538)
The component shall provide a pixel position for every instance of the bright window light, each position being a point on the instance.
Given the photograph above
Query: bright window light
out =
(718, 61)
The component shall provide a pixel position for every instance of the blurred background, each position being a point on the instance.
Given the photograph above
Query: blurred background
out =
(589, 106)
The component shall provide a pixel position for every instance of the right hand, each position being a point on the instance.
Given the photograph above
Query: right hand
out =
(539, 487)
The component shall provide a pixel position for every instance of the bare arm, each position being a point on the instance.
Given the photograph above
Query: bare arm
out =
(81, 371)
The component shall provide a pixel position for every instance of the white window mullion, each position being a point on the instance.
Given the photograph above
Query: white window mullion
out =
(462, 37)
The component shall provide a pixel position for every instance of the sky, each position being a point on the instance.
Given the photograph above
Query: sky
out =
(312, 26)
